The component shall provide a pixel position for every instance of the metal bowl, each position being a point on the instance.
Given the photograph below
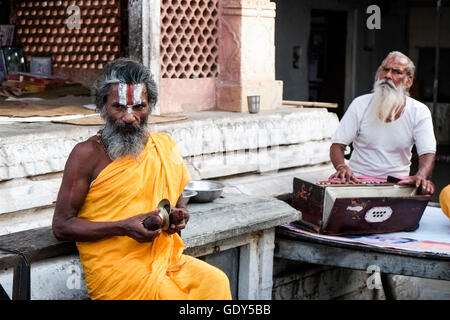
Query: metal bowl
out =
(188, 194)
(207, 190)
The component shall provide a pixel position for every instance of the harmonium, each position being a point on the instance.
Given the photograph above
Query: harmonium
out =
(363, 208)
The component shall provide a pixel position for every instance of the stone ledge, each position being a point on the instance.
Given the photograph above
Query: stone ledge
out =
(267, 184)
(33, 218)
(231, 221)
(30, 149)
(42, 191)
(234, 215)
(231, 216)
(222, 164)
(38, 193)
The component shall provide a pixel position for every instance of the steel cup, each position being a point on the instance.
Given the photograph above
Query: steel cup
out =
(253, 104)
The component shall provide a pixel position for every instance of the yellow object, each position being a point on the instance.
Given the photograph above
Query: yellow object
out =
(122, 268)
(444, 200)
(33, 88)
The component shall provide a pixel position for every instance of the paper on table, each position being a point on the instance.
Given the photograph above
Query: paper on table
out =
(433, 235)
(434, 226)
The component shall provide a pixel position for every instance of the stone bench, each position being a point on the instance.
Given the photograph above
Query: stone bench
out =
(243, 223)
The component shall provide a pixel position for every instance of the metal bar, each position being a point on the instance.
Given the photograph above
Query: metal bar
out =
(387, 286)
(21, 280)
(436, 59)
(21, 277)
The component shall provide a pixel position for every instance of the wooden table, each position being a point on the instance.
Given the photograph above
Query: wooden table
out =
(314, 249)
(294, 246)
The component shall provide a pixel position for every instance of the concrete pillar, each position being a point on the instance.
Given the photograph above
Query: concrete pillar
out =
(144, 36)
(247, 55)
(266, 245)
(256, 267)
(248, 278)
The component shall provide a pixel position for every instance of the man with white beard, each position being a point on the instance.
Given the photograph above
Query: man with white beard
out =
(383, 126)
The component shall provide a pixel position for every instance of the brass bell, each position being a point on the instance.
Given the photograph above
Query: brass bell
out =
(165, 208)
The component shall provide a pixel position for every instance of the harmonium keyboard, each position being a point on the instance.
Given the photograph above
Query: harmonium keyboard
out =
(373, 206)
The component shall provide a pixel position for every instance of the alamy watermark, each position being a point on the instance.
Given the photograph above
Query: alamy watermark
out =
(73, 21)
(374, 279)
(374, 20)
(74, 278)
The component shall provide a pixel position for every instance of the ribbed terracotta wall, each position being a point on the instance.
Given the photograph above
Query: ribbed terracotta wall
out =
(42, 30)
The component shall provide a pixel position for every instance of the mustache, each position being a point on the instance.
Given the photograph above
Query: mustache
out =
(126, 127)
(388, 82)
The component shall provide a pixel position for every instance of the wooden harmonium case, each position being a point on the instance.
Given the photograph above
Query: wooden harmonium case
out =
(358, 208)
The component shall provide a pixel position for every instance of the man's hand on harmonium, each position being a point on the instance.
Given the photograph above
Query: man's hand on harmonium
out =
(344, 174)
(426, 186)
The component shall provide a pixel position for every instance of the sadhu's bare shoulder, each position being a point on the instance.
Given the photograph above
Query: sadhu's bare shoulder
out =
(86, 157)
(90, 149)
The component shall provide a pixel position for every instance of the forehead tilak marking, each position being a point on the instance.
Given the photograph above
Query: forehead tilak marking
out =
(130, 94)
(122, 91)
(137, 93)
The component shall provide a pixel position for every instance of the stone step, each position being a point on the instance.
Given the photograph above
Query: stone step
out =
(41, 148)
(268, 184)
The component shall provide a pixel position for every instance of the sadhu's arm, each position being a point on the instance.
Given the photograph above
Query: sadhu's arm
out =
(74, 187)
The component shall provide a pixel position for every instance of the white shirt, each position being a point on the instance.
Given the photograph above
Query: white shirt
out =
(381, 149)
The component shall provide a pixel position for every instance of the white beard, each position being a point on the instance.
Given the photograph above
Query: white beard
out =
(387, 99)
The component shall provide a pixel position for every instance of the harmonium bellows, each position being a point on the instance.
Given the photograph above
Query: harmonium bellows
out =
(358, 208)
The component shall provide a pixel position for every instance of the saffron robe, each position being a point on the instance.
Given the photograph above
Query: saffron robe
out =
(120, 267)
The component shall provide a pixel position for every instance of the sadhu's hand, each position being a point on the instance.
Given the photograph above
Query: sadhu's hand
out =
(178, 220)
(344, 174)
(134, 227)
(427, 187)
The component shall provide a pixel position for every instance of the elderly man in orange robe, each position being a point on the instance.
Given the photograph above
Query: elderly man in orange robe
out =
(112, 182)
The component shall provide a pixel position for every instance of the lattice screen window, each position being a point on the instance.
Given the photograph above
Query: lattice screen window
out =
(42, 30)
(189, 38)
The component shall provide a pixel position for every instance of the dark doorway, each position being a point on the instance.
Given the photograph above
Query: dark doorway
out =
(326, 57)
(425, 74)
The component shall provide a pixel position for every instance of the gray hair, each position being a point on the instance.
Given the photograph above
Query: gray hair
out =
(410, 67)
(123, 70)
